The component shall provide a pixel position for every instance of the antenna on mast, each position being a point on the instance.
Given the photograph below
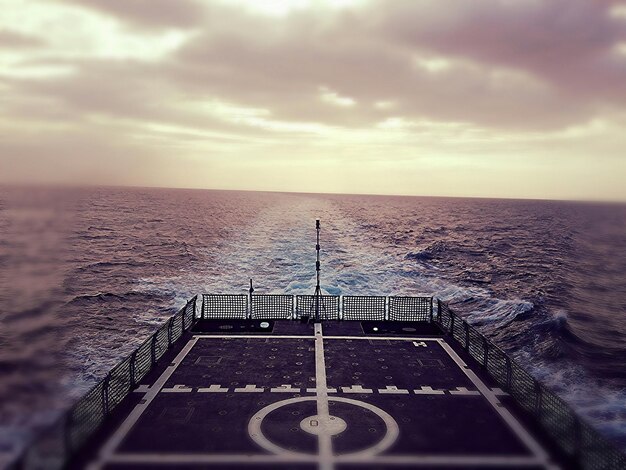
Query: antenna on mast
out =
(318, 289)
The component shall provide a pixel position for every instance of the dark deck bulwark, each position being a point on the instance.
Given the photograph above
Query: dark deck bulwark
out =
(237, 395)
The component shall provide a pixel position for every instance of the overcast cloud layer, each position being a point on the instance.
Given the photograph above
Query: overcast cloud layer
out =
(514, 98)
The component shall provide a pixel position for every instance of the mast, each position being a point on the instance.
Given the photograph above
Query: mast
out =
(318, 289)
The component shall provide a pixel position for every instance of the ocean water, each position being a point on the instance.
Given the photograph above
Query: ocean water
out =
(87, 274)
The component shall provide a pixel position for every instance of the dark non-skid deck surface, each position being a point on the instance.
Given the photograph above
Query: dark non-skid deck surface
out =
(244, 399)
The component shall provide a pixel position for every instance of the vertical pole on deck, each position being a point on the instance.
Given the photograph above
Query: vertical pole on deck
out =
(251, 290)
(318, 289)
(431, 311)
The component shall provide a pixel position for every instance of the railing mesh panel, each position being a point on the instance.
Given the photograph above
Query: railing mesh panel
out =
(189, 313)
(161, 341)
(119, 383)
(86, 416)
(575, 438)
(458, 330)
(143, 360)
(272, 306)
(177, 326)
(497, 366)
(523, 387)
(328, 306)
(444, 316)
(559, 420)
(357, 307)
(410, 308)
(225, 306)
(476, 345)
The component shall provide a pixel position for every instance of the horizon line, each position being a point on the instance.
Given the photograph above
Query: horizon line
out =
(57, 185)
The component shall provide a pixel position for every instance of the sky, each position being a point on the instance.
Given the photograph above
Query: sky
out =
(487, 98)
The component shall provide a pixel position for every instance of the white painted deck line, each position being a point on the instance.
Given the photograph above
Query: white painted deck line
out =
(326, 459)
(415, 460)
(323, 411)
(383, 338)
(250, 388)
(427, 390)
(254, 336)
(328, 390)
(213, 388)
(447, 460)
(392, 389)
(512, 422)
(368, 338)
(464, 391)
(286, 388)
(356, 389)
(120, 434)
(177, 389)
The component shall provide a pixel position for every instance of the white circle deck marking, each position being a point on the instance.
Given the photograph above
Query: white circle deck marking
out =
(265, 324)
(332, 425)
(391, 434)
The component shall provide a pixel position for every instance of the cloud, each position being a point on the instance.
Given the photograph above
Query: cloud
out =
(149, 13)
(362, 80)
(13, 39)
(566, 43)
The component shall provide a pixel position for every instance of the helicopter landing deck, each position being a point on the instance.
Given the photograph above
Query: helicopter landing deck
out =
(316, 400)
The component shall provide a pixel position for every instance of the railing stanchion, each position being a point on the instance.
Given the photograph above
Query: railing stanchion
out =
(485, 353)
(467, 335)
(67, 434)
(250, 307)
(538, 399)
(340, 307)
(105, 395)
(386, 314)
(133, 360)
(153, 349)
(169, 333)
(508, 372)
(578, 439)
(431, 310)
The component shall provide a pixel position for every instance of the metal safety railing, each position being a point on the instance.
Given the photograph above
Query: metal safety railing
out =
(330, 307)
(576, 439)
(56, 445)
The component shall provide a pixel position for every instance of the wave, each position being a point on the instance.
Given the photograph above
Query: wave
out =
(432, 251)
(104, 297)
